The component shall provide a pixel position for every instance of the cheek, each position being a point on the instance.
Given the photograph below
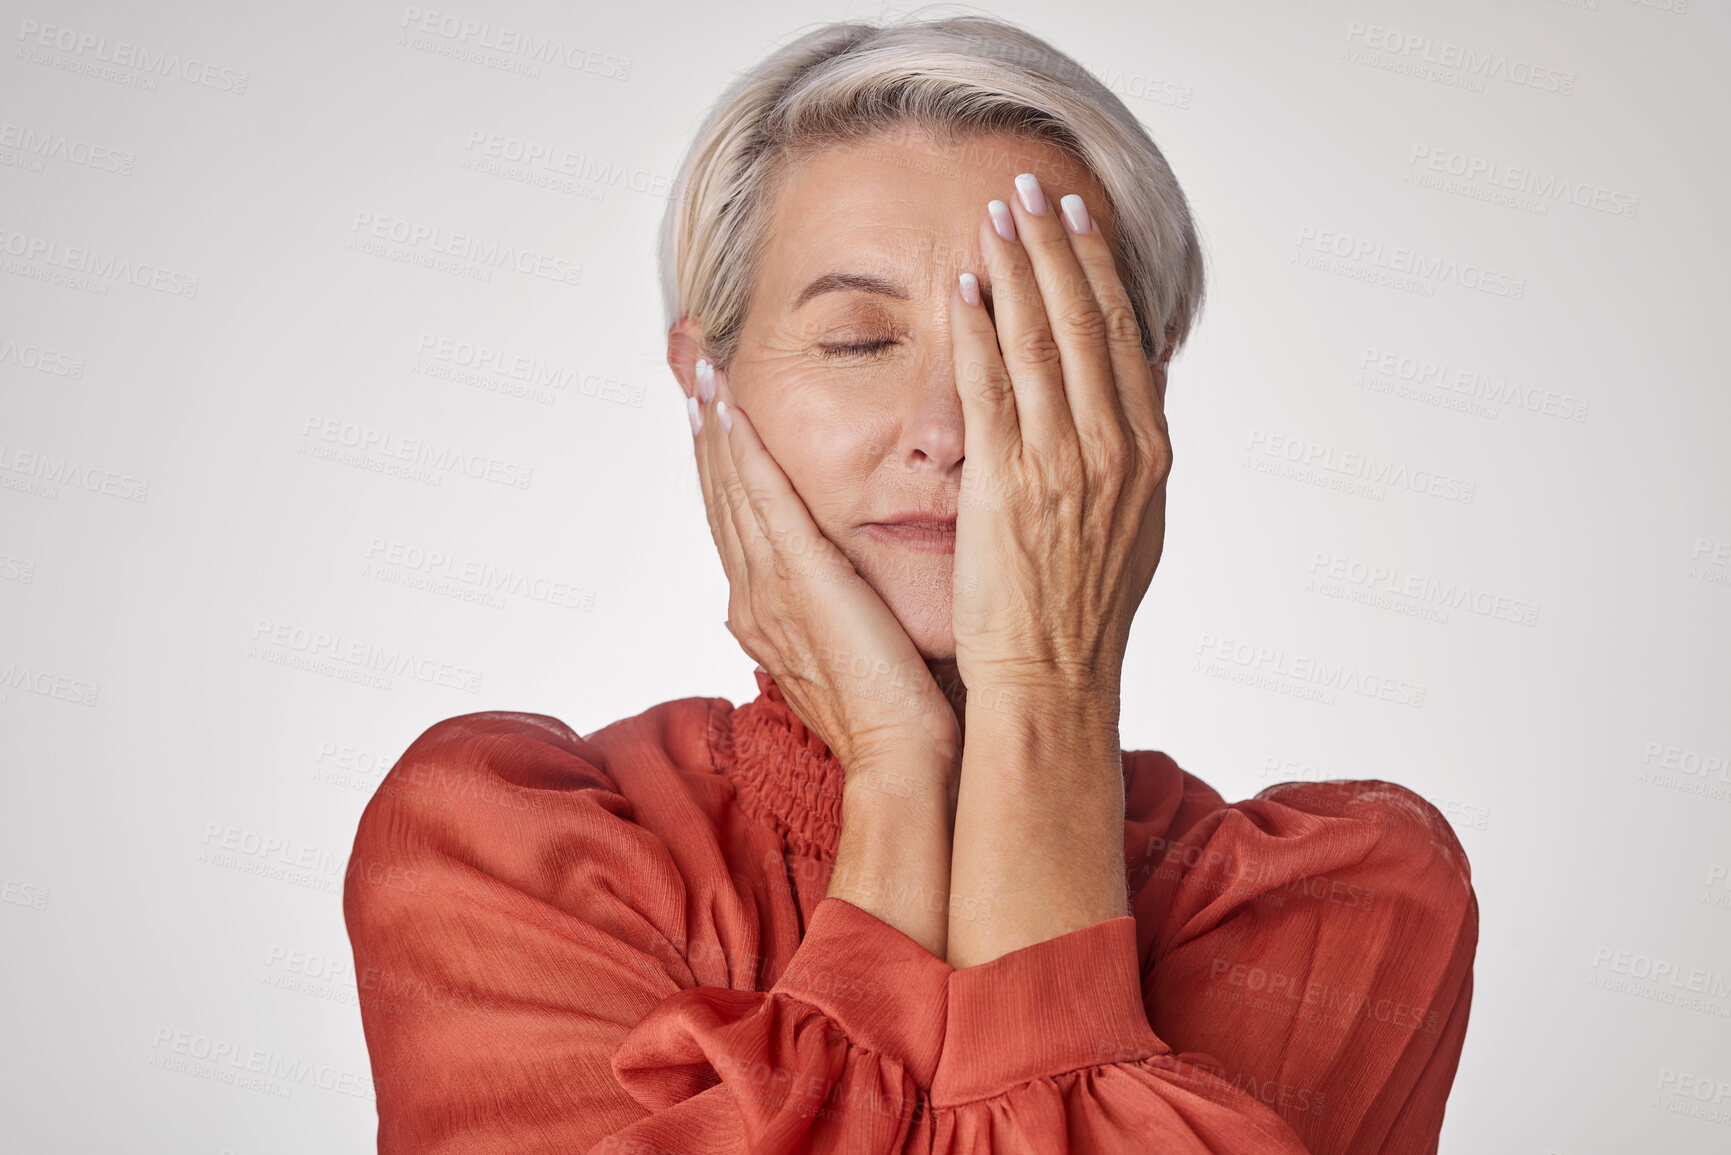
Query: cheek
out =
(828, 458)
(836, 432)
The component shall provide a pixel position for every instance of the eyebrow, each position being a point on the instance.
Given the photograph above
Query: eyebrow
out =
(850, 283)
(864, 283)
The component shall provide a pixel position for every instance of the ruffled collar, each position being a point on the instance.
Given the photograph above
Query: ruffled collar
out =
(783, 774)
(786, 778)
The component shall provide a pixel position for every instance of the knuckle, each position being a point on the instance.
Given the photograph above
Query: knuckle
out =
(1066, 476)
(1113, 454)
(1149, 438)
(994, 388)
(1156, 450)
(975, 371)
(1055, 243)
(1121, 324)
(1084, 319)
(1036, 348)
(1144, 439)
(750, 636)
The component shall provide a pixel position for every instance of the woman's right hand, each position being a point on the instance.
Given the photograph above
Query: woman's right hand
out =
(797, 605)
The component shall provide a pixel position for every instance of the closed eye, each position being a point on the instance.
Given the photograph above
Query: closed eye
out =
(860, 349)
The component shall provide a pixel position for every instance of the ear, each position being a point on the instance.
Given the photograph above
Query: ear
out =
(1159, 368)
(684, 347)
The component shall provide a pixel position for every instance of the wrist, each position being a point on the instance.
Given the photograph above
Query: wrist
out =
(1072, 725)
(903, 766)
(893, 856)
(1046, 690)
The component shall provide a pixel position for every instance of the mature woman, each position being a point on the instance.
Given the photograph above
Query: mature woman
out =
(923, 282)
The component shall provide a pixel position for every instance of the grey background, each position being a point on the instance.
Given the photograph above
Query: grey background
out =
(196, 596)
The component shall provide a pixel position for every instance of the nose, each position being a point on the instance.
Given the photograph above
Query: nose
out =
(931, 438)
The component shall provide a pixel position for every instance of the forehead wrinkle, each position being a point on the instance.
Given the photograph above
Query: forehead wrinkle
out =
(903, 263)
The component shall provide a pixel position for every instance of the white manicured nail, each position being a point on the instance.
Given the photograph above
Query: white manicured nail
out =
(1076, 214)
(1033, 197)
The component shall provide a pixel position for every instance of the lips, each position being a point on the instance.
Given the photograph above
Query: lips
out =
(922, 521)
(924, 531)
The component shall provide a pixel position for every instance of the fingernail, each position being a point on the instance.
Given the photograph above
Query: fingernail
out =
(726, 417)
(695, 411)
(970, 288)
(705, 381)
(1076, 214)
(1002, 220)
(1033, 198)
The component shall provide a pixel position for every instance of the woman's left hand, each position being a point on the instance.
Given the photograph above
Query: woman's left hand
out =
(1062, 514)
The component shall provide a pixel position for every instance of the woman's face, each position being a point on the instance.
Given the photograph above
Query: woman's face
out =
(844, 363)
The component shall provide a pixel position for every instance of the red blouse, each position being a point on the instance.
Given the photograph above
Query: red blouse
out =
(622, 944)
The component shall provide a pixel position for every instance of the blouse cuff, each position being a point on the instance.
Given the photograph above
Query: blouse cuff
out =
(885, 991)
(1070, 1002)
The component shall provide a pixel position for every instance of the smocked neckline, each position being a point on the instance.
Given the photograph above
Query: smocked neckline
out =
(783, 774)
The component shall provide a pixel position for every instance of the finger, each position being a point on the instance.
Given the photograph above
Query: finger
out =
(780, 512)
(1073, 317)
(735, 552)
(754, 543)
(1024, 338)
(1137, 394)
(752, 557)
(712, 506)
(991, 432)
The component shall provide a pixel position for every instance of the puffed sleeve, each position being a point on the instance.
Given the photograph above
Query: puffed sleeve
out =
(529, 982)
(1317, 946)
(1049, 1050)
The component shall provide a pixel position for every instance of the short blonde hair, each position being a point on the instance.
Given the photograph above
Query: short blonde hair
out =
(846, 81)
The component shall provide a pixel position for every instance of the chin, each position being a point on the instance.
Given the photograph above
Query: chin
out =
(915, 585)
(926, 618)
